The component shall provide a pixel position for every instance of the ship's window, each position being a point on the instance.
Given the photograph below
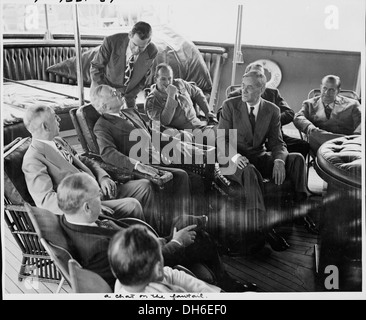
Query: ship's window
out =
(312, 24)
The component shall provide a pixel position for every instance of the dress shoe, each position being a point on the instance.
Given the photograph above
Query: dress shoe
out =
(276, 242)
(310, 225)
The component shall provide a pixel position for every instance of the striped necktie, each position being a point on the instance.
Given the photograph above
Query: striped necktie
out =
(328, 111)
(129, 69)
(67, 155)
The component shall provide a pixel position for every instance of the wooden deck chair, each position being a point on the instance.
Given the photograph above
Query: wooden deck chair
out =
(86, 281)
(36, 261)
(53, 239)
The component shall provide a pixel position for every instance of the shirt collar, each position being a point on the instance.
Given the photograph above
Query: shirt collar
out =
(91, 224)
(256, 107)
(129, 53)
(51, 143)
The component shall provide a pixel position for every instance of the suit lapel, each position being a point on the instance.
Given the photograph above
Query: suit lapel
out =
(135, 119)
(52, 155)
(244, 119)
(263, 117)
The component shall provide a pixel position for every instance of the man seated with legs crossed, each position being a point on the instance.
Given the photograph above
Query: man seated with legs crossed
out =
(255, 122)
(50, 158)
(127, 142)
(190, 246)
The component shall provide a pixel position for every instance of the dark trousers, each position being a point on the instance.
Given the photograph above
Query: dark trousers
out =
(296, 145)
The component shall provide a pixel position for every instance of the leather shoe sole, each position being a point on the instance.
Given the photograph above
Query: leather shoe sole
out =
(276, 242)
(310, 225)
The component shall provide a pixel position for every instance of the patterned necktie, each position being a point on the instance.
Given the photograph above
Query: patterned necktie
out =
(67, 155)
(252, 118)
(328, 111)
(129, 69)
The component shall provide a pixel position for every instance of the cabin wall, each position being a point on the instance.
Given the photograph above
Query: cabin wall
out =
(301, 69)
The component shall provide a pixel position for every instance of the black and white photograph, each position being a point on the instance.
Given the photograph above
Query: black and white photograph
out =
(197, 151)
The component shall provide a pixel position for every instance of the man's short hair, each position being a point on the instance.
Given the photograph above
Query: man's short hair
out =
(259, 76)
(32, 113)
(142, 29)
(73, 191)
(332, 78)
(133, 253)
(163, 66)
(97, 96)
(253, 65)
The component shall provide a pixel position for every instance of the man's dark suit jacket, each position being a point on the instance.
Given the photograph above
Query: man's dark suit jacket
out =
(113, 137)
(234, 115)
(274, 96)
(109, 64)
(91, 248)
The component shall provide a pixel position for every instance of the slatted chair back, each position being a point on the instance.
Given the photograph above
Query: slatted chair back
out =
(53, 238)
(86, 281)
(343, 92)
(15, 188)
(36, 262)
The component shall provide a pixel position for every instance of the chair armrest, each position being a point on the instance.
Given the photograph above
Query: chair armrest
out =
(117, 174)
(123, 175)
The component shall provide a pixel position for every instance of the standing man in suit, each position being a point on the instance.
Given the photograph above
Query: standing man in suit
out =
(78, 197)
(329, 115)
(256, 121)
(124, 61)
(49, 159)
(114, 131)
(287, 114)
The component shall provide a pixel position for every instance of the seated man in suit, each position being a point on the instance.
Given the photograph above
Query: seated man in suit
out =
(287, 114)
(329, 115)
(124, 61)
(117, 131)
(144, 270)
(256, 121)
(49, 159)
(171, 102)
(191, 246)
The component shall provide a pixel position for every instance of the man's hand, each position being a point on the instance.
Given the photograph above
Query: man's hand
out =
(108, 187)
(171, 91)
(185, 236)
(151, 171)
(211, 119)
(241, 162)
(279, 172)
(310, 129)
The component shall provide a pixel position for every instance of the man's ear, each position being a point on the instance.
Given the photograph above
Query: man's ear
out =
(86, 207)
(158, 273)
(130, 35)
(44, 126)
